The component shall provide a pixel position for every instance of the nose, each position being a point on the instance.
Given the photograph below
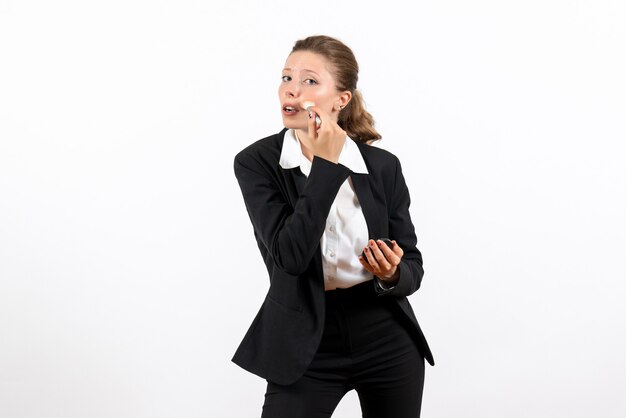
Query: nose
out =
(291, 90)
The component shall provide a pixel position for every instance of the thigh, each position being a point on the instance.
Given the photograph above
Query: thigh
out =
(397, 392)
(307, 398)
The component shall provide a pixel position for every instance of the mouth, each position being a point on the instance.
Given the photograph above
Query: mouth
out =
(290, 110)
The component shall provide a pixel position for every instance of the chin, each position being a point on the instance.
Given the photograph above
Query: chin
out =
(292, 124)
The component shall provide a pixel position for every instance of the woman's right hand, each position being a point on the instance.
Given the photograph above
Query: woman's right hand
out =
(327, 139)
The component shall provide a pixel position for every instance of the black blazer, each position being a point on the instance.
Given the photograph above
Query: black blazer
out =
(288, 212)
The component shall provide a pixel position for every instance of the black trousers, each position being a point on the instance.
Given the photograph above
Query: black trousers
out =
(364, 347)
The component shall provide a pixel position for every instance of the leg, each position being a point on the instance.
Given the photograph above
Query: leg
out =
(307, 398)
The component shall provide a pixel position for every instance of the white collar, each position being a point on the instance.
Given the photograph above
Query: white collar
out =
(291, 155)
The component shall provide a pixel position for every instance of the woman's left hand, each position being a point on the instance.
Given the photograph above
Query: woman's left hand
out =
(382, 261)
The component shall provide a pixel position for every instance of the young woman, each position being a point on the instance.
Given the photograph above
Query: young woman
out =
(320, 198)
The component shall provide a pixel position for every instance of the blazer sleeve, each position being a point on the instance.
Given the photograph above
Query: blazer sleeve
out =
(290, 234)
(401, 230)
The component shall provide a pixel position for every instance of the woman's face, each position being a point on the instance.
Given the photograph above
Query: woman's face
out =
(307, 77)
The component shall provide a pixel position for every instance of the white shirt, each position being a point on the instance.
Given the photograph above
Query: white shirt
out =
(346, 233)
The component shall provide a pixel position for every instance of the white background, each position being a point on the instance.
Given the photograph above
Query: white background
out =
(128, 268)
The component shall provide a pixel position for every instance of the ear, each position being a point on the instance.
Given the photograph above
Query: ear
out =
(344, 98)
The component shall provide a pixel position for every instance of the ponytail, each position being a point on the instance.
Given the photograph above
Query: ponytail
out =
(358, 122)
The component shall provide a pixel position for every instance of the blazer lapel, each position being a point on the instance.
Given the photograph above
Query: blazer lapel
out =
(371, 211)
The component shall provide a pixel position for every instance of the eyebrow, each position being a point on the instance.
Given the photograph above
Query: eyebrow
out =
(307, 70)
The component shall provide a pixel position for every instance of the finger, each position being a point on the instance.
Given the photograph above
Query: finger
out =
(397, 250)
(311, 125)
(316, 116)
(392, 257)
(371, 259)
(380, 257)
(317, 111)
(365, 264)
(373, 245)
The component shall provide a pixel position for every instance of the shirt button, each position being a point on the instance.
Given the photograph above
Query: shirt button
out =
(332, 254)
(332, 228)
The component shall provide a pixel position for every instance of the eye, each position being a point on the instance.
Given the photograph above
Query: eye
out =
(309, 81)
(286, 78)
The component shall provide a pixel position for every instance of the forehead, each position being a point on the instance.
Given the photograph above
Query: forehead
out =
(307, 60)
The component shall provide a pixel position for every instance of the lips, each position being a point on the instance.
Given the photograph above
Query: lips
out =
(290, 109)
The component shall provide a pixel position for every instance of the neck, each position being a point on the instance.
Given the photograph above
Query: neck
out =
(305, 141)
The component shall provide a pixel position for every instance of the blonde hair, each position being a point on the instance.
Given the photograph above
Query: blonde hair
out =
(354, 119)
